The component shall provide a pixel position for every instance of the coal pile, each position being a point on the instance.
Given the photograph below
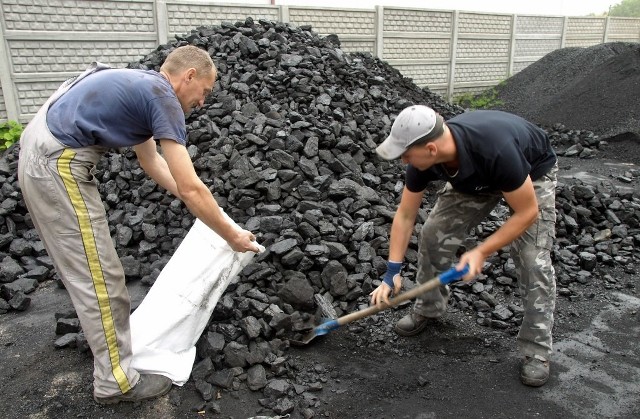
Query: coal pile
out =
(592, 88)
(286, 144)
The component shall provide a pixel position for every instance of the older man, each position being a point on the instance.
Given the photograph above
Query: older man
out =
(100, 109)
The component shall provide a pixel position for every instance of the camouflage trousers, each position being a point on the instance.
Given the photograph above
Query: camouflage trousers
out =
(446, 228)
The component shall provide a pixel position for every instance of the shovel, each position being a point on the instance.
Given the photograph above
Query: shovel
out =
(444, 278)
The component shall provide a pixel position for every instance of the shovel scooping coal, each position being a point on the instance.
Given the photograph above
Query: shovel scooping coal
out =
(444, 278)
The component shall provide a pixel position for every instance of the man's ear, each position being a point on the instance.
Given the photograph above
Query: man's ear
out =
(432, 148)
(189, 75)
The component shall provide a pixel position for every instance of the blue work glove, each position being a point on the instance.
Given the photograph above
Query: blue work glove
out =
(393, 269)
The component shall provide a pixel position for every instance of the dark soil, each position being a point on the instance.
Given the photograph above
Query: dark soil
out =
(454, 369)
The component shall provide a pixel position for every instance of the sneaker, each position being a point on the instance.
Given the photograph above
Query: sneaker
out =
(149, 386)
(534, 372)
(411, 324)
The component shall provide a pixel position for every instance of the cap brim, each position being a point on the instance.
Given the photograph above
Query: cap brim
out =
(389, 149)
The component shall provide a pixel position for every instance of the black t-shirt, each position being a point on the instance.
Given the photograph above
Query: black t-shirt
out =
(496, 152)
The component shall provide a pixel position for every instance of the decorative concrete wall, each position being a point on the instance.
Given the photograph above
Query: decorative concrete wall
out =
(3, 108)
(43, 42)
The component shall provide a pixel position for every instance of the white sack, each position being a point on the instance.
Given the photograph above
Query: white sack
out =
(167, 324)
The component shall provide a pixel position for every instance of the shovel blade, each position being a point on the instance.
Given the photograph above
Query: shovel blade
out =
(320, 330)
(304, 340)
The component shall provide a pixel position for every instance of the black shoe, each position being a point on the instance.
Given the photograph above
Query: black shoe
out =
(534, 372)
(411, 324)
(149, 386)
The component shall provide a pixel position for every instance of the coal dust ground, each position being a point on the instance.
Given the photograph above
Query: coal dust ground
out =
(454, 369)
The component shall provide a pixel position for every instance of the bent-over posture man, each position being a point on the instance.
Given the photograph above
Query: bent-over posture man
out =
(484, 156)
(100, 109)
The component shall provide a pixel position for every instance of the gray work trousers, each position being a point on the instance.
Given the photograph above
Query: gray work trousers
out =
(62, 198)
(444, 231)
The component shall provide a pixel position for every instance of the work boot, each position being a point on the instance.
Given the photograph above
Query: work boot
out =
(149, 386)
(534, 371)
(411, 324)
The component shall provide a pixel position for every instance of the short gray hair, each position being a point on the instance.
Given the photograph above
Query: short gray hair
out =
(189, 56)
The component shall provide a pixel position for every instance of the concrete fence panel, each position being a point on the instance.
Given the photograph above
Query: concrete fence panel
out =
(356, 27)
(3, 108)
(535, 37)
(418, 42)
(48, 41)
(623, 29)
(183, 16)
(585, 31)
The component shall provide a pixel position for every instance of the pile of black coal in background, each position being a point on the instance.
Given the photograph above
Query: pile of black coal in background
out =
(594, 89)
(286, 144)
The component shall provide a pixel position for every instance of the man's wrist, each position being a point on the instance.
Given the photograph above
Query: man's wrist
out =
(393, 269)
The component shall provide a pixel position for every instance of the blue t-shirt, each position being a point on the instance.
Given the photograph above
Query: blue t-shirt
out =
(117, 108)
(496, 152)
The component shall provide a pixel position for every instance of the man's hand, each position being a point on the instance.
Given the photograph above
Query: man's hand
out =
(382, 293)
(244, 241)
(475, 259)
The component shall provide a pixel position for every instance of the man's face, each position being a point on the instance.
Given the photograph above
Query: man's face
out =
(195, 89)
(419, 156)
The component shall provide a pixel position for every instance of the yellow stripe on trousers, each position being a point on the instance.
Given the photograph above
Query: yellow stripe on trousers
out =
(93, 259)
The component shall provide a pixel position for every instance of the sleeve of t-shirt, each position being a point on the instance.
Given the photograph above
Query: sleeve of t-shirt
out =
(417, 180)
(167, 119)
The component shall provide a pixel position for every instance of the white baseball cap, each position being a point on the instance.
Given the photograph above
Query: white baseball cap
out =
(417, 122)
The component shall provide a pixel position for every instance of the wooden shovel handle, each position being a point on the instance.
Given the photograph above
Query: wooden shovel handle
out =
(445, 278)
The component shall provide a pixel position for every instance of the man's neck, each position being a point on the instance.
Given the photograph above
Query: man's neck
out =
(448, 150)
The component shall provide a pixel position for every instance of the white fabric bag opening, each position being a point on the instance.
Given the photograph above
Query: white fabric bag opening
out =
(170, 319)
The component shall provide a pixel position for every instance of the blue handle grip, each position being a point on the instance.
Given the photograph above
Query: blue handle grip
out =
(326, 327)
(453, 275)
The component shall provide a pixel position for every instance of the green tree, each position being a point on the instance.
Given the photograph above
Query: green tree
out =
(626, 8)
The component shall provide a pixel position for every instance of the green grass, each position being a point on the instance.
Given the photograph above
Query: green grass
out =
(10, 132)
(485, 100)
